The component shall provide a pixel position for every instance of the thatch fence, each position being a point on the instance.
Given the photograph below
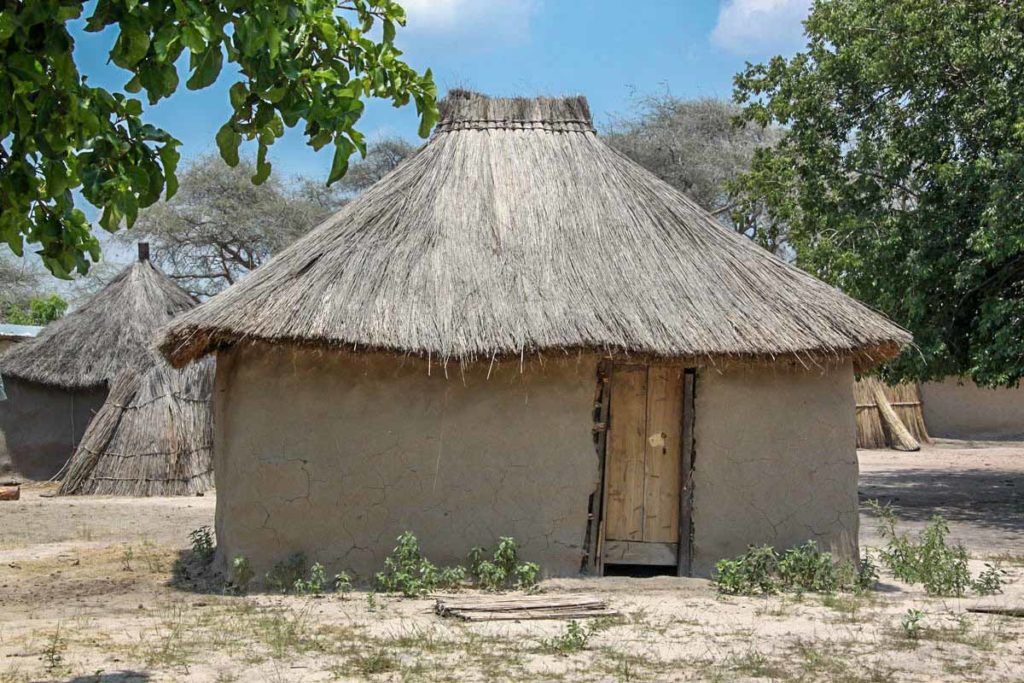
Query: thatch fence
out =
(889, 416)
(152, 437)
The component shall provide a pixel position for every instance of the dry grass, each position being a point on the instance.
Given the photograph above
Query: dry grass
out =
(517, 230)
(905, 400)
(152, 437)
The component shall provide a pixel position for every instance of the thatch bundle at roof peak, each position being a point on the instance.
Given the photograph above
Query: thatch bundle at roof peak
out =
(112, 330)
(516, 229)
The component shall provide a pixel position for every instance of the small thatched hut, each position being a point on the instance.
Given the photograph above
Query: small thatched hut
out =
(521, 332)
(57, 381)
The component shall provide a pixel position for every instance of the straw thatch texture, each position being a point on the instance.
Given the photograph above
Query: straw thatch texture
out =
(905, 400)
(516, 229)
(111, 331)
(152, 437)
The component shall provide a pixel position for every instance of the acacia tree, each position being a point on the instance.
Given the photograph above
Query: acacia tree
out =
(219, 226)
(696, 146)
(311, 62)
(901, 168)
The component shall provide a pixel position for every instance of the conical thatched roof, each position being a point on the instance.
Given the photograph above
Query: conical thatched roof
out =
(517, 229)
(152, 437)
(111, 331)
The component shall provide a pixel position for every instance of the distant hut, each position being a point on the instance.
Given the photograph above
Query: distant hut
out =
(57, 381)
(521, 332)
(13, 334)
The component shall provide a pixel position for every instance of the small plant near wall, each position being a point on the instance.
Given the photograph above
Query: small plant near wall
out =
(408, 572)
(504, 571)
(241, 576)
(803, 568)
(930, 560)
(202, 543)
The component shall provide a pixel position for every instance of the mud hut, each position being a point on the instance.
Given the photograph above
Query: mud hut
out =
(521, 332)
(57, 381)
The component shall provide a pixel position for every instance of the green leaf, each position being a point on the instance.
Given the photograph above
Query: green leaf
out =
(262, 166)
(193, 39)
(169, 157)
(343, 149)
(205, 68)
(131, 46)
(7, 24)
(228, 140)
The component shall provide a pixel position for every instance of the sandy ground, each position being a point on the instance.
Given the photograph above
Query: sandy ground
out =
(85, 595)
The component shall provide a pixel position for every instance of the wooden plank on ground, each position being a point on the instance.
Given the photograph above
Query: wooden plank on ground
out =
(522, 607)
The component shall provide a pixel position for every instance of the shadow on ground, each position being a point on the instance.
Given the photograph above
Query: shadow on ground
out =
(112, 677)
(986, 498)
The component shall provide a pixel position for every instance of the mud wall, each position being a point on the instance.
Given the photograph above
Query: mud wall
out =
(40, 426)
(775, 461)
(960, 409)
(335, 454)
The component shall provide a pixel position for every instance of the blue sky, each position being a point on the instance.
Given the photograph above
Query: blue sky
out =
(611, 51)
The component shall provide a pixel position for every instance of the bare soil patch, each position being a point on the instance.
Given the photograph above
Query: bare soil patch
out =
(87, 596)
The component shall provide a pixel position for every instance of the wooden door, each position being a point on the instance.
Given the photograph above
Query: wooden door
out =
(643, 465)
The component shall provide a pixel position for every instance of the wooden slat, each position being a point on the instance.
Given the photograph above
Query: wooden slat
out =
(684, 557)
(523, 607)
(625, 454)
(662, 461)
(630, 552)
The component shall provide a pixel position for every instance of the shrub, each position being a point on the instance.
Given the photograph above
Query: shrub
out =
(806, 568)
(761, 571)
(911, 623)
(202, 543)
(241, 576)
(406, 571)
(316, 583)
(504, 571)
(755, 571)
(990, 581)
(573, 639)
(930, 560)
(284, 575)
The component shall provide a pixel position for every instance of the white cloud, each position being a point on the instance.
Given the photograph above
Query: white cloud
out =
(760, 27)
(487, 19)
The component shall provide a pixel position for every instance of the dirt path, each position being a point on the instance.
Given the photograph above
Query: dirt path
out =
(85, 596)
(977, 487)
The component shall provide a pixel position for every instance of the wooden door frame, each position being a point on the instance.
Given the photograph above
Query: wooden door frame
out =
(684, 560)
(684, 556)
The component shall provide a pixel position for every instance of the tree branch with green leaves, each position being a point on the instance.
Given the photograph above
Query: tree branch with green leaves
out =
(900, 171)
(310, 63)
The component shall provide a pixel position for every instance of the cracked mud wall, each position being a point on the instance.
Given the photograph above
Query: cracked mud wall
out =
(40, 426)
(960, 409)
(335, 454)
(775, 461)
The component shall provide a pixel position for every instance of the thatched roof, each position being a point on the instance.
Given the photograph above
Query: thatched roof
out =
(152, 437)
(516, 229)
(111, 331)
